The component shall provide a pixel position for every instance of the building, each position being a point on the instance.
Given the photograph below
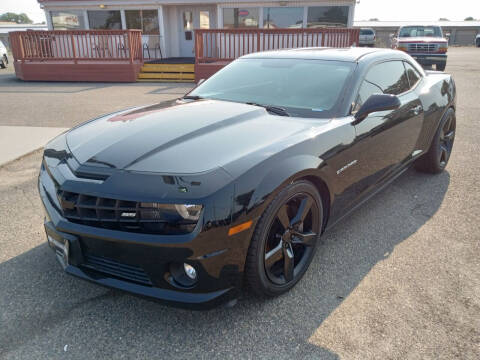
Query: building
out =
(460, 32)
(6, 27)
(167, 25)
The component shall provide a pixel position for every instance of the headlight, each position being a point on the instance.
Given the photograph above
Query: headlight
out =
(170, 212)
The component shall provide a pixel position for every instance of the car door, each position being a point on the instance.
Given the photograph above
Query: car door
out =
(385, 140)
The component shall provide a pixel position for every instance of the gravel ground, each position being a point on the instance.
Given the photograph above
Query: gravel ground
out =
(399, 279)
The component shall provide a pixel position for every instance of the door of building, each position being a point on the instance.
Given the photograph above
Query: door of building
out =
(191, 18)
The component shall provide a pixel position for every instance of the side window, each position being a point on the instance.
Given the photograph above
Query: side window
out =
(367, 89)
(413, 75)
(390, 76)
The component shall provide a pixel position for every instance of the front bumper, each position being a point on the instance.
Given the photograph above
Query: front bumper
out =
(141, 263)
(430, 59)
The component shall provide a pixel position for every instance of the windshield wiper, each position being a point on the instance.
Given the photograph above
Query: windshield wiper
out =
(277, 110)
(192, 97)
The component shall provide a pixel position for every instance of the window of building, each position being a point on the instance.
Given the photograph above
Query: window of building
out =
(187, 21)
(105, 19)
(282, 17)
(145, 20)
(204, 20)
(240, 18)
(319, 16)
(66, 20)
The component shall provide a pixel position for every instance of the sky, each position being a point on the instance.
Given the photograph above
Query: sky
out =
(386, 10)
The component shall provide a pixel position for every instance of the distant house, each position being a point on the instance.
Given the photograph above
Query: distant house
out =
(6, 27)
(168, 25)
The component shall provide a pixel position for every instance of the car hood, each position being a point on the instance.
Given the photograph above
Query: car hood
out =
(193, 137)
(424, 39)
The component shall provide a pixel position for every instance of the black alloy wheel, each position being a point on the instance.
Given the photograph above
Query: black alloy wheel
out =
(447, 136)
(436, 159)
(284, 241)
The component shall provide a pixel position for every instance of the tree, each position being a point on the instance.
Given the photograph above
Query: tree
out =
(443, 19)
(16, 18)
(469, 19)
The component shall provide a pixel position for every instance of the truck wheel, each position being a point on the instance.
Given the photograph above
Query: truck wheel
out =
(478, 42)
(3, 62)
(436, 158)
(441, 67)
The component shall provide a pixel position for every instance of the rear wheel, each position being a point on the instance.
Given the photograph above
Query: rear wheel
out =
(284, 240)
(478, 42)
(436, 159)
(3, 62)
(441, 67)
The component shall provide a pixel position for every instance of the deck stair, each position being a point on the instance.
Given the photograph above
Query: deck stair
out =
(167, 73)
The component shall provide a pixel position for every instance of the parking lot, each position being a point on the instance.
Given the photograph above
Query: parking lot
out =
(398, 279)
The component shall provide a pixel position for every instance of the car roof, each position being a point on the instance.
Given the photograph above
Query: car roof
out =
(353, 54)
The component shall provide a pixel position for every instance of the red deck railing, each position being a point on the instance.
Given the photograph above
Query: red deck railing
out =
(78, 45)
(215, 45)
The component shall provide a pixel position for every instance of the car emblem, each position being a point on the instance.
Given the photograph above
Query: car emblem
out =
(129, 214)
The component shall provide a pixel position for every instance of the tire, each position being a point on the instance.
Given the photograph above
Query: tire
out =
(478, 43)
(3, 62)
(284, 240)
(441, 67)
(436, 158)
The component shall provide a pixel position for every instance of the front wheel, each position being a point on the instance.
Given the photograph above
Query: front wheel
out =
(284, 240)
(3, 62)
(436, 159)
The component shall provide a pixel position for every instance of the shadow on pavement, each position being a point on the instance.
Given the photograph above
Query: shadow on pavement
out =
(44, 309)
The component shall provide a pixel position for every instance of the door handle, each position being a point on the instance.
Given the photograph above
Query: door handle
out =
(417, 110)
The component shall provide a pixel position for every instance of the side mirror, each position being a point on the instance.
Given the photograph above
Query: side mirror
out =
(375, 103)
(200, 81)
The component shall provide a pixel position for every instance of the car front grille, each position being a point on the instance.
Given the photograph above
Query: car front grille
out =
(117, 269)
(422, 48)
(114, 214)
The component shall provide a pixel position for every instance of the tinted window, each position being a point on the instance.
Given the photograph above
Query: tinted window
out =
(389, 76)
(319, 16)
(145, 20)
(106, 20)
(282, 17)
(413, 76)
(240, 18)
(366, 90)
(306, 88)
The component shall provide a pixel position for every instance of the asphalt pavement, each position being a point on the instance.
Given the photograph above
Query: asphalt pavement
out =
(399, 279)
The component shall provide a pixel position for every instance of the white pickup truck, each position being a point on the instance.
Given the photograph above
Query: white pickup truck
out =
(425, 43)
(3, 56)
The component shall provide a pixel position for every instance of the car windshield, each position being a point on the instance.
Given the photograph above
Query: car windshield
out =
(366, 32)
(417, 31)
(304, 88)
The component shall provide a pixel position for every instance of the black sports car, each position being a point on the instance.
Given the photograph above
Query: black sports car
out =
(233, 184)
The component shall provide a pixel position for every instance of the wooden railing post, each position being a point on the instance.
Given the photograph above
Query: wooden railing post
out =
(130, 46)
(74, 52)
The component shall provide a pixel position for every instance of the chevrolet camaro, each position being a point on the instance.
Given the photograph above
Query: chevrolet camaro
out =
(232, 185)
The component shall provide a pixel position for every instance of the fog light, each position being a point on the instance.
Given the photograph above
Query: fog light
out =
(190, 271)
(183, 275)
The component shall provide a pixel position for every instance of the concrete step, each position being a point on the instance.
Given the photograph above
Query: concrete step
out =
(165, 80)
(178, 76)
(181, 68)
